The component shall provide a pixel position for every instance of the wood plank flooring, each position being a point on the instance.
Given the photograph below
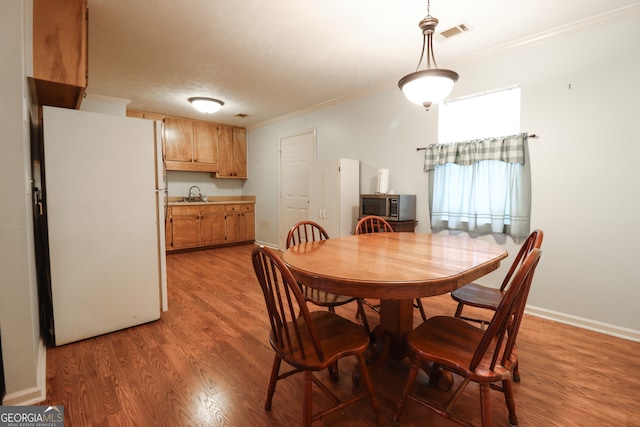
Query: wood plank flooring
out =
(206, 362)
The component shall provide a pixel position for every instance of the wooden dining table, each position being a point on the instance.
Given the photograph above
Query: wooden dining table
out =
(395, 268)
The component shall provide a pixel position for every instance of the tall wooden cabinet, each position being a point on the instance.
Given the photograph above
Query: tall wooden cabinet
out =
(232, 150)
(60, 52)
(334, 194)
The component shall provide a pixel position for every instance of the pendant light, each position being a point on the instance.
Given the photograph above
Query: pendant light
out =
(432, 85)
(206, 105)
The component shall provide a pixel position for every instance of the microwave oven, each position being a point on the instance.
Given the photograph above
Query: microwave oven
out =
(392, 207)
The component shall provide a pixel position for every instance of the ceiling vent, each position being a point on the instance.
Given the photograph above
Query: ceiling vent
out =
(453, 31)
(241, 115)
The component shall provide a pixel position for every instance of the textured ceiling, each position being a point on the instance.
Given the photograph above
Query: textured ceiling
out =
(271, 58)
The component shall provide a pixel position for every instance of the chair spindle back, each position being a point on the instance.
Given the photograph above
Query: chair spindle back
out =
(305, 231)
(373, 224)
(534, 240)
(506, 320)
(288, 313)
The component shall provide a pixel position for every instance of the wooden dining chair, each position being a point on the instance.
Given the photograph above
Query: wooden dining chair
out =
(486, 357)
(307, 341)
(309, 231)
(476, 295)
(376, 224)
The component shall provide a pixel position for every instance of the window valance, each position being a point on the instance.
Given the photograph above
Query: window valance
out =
(509, 149)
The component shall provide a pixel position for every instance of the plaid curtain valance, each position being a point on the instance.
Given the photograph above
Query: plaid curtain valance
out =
(509, 149)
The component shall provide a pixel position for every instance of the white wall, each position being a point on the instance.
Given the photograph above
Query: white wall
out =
(579, 93)
(22, 350)
(179, 182)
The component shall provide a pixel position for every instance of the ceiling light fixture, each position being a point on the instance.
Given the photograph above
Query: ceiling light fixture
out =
(206, 105)
(432, 85)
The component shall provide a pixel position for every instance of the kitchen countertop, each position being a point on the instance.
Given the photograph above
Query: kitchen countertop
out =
(213, 200)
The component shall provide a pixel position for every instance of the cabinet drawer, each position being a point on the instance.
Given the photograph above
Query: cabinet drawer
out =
(245, 207)
(212, 209)
(185, 210)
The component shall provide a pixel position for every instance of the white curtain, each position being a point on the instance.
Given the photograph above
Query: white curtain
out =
(481, 187)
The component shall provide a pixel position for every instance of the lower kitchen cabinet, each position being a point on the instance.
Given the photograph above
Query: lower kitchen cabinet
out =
(241, 223)
(203, 225)
(212, 225)
(185, 227)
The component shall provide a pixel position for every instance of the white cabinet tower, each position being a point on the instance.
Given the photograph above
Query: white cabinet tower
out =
(334, 195)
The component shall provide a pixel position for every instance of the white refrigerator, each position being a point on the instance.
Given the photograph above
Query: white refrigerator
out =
(104, 201)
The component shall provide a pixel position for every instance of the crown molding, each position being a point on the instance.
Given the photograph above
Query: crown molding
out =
(533, 40)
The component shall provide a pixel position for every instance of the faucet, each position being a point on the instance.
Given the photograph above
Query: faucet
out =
(199, 196)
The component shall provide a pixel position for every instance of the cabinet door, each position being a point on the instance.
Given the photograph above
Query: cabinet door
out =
(185, 224)
(135, 114)
(153, 116)
(331, 197)
(60, 60)
(144, 115)
(205, 143)
(178, 139)
(248, 225)
(240, 223)
(212, 225)
(334, 187)
(239, 153)
(316, 194)
(225, 151)
(233, 226)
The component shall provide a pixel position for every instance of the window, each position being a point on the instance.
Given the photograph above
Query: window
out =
(480, 181)
(488, 115)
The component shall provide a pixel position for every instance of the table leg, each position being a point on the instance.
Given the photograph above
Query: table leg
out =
(389, 339)
(396, 317)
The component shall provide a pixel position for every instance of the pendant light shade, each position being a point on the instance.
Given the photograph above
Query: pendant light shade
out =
(206, 105)
(432, 85)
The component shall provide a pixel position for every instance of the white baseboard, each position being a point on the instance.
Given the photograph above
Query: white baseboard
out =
(581, 322)
(268, 245)
(32, 395)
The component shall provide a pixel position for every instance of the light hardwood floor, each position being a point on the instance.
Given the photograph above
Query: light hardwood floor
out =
(206, 362)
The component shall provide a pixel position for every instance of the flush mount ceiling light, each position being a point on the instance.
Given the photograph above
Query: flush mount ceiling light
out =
(432, 85)
(206, 105)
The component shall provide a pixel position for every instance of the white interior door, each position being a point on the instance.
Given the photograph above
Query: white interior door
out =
(296, 154)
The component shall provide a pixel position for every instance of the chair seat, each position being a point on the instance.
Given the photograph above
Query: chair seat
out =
(482, 356)
(453, 342)
(325, 299)
(338, 337)
(478, 295)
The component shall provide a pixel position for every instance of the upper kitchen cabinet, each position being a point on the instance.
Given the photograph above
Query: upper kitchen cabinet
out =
(190, 145)
(205, 142)
(145, 115)
(59, 73)
(232, 152)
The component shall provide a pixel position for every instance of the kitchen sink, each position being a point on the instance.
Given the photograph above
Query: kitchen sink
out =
(194, 200)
